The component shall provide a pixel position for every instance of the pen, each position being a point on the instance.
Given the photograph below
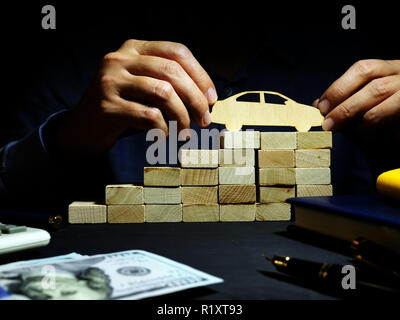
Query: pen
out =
(378, 257)
(308, 270)
(329, 276)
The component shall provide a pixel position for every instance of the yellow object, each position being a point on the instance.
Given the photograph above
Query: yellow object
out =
(388, 183)
(234, 114)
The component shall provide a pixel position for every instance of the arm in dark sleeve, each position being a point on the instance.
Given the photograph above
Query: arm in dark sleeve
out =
(29, 171)
(25, 166)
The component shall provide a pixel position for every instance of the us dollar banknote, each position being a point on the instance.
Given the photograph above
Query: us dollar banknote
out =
(134, 274)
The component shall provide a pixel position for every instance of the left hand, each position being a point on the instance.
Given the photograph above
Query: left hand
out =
(369, 90)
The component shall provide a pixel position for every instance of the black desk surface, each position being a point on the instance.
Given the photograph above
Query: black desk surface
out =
(232, 251)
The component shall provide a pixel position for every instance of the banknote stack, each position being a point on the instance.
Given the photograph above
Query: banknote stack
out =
(134, 274)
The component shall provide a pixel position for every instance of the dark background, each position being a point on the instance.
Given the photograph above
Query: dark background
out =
(304, 39)
(87, 30)
(27, 48)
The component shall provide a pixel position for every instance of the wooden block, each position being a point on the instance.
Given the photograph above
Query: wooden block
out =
(87, 212)
(199, 177)
(124, 194)
(125, 213)
(236, 157)
(313, 190)
(200, 212)
(276, 158)
(236, 175)
(240, 139)
(162, 176)
(278, 140)
(273, 211)
(313, 158)
(277, 176)
(237, 193)
(166, 195)
(198, 195)
(237, 212)
(163, 213)
(193, 158)
(314, 140)
(276, 194)
(313, 175)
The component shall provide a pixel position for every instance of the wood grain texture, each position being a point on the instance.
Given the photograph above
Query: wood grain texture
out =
(313, 158)
(125, 213)
(237, 110)
(163, 213)
(192, 158)
(314, 190)
(200, 212)
(161, 176)
(124, 194)
(276, 159)
(162, 195)
(273, 211)
(240, 140)
(199, 177)
(277, 176)
(237, 193)
(313, 176)
(236, 157)
(237, 212)
(276, 194)
(236, 175)
(198, 195)
(314, 140)
(87, 212)
(278, 140)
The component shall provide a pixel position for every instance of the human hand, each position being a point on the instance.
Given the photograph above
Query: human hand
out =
(139, 87)
(369, 90)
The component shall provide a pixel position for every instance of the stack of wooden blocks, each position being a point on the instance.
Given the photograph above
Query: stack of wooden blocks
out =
(292, 164)
(235, 183)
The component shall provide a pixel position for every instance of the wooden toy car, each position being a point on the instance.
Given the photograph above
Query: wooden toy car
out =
(235, 113)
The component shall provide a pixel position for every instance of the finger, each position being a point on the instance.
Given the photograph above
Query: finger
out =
(159, 93)
(385, 112)
(354, 78)
(358, 104)
(315, 103)
(181, 54)
(172, 72)
(141, 117)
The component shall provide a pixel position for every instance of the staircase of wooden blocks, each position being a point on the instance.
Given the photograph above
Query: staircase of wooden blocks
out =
(248, 179)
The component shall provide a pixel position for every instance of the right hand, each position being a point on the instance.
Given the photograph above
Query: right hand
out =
(139, 87)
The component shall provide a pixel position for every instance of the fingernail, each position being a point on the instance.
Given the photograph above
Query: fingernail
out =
(211, 96)
(323, 105)
(206, 118)
(327, 125)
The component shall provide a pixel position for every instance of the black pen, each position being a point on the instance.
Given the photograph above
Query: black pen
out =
(329, 276)
(383, 260)
(308, 270)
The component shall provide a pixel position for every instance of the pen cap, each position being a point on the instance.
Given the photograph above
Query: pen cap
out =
(324, 274)
(369, 251)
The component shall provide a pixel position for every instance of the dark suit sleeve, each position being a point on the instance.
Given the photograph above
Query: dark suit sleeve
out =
(28, 169)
